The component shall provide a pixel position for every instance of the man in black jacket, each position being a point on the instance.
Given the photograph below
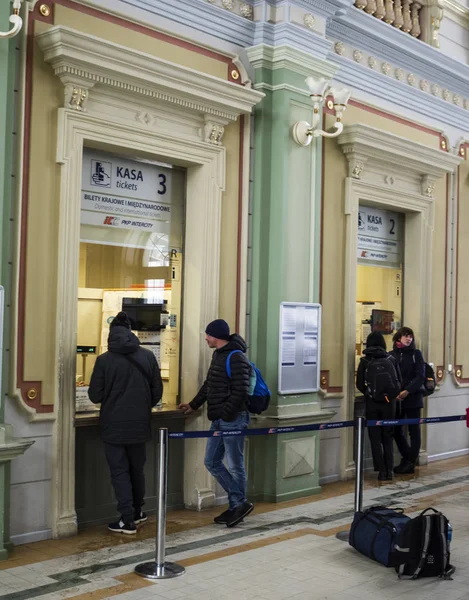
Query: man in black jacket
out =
(126, 381)
(226, 399)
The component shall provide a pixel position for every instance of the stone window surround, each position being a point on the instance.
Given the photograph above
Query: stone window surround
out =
(109, 91)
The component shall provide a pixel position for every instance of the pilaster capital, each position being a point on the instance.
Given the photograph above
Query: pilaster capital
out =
(291, 59)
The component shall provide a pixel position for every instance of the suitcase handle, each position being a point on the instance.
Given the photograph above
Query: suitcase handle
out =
(397, 509)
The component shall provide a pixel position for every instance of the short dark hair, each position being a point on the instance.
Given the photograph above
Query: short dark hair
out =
(401, 332)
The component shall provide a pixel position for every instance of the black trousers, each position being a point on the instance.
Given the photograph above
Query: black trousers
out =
(381, 438)
(126, 464)
(408, 451)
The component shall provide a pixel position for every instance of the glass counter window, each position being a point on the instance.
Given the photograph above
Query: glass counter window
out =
(131, 256)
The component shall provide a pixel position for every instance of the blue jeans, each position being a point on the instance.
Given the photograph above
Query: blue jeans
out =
(233, 478)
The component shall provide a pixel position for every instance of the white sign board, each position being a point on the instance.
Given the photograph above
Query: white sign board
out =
(380, 237)
(122, 194)
(299, 347)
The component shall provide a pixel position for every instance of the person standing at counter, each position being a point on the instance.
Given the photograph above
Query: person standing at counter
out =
(126, 381)
(227, 408)
(410, 400)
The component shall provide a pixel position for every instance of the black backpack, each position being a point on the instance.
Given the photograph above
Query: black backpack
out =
(422, 549)
(381, 379)
(429, 384)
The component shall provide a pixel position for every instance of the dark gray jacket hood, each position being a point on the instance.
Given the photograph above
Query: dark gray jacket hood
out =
(122, 341)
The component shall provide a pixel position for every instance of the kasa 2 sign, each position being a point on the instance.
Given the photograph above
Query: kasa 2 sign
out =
(122, 193)
(380, 237)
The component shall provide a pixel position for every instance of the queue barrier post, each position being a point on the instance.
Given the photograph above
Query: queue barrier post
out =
(160, 569)
(359, 463)
(359, 471)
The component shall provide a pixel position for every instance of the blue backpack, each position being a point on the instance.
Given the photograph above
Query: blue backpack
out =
(259, 393)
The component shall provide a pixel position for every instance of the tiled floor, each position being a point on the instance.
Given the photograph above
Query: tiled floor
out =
(282, 551)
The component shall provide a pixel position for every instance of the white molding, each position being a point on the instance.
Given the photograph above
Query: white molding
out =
(456, 12)
(205, 183)
(281, 86)
(382, 148)
(447, 455)
(79, 58)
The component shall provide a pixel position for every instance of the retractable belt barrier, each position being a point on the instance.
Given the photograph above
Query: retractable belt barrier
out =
(312, 427)
(160, 569)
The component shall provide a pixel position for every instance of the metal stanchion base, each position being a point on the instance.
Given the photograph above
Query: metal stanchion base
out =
(343, 536)
(151, 570)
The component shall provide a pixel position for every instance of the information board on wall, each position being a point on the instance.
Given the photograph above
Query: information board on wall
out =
(380, 237)
(299, 347)
(123, 201)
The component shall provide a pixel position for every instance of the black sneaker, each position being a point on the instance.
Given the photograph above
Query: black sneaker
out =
(224, 518)
(140, 517)
(241, 511)
(121, 527)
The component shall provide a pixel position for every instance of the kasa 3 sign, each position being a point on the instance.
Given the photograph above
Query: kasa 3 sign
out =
(379, 237)
(124, 194)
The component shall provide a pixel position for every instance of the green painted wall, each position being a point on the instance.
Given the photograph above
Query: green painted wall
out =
(8, 52)
(285, 262)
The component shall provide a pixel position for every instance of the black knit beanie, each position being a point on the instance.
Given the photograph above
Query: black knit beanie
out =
(218, 329)
(376, 339)
(122, 320)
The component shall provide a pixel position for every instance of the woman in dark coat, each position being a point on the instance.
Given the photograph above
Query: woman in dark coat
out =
(410, 400)
(381, 438)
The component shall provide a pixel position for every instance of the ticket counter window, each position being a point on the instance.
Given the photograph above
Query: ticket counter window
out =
(379, 275)
(131, 258)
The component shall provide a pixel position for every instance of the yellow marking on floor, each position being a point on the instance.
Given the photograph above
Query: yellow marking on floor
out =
(130, 583)
(202, 558)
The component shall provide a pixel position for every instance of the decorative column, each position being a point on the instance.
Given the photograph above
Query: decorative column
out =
(285, 234)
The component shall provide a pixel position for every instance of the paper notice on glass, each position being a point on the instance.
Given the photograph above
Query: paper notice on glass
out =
(289, 319)
(310, 350)
(311, 320)
(366, 330)
(288, 351)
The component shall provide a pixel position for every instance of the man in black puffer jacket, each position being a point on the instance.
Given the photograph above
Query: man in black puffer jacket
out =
(126, 381)
(227, 408)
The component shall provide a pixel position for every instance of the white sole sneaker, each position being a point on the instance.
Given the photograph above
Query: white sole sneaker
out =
(121, 527)
(141, 519)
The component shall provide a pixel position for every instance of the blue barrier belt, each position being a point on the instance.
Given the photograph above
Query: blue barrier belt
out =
(428, 420)
(311, 427)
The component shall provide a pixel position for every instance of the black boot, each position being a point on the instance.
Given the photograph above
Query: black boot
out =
(382, 476)
(405, 468)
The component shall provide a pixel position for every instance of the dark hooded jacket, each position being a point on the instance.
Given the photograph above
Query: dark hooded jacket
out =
(124, 392)
(412, 367)
(226, 396)
(372, 352)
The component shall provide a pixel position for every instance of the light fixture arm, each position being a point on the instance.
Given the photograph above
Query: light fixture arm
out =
(303, 132)
(15, 19)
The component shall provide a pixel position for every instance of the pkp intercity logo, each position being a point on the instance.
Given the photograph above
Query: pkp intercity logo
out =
(101, 173)
(114, 221)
